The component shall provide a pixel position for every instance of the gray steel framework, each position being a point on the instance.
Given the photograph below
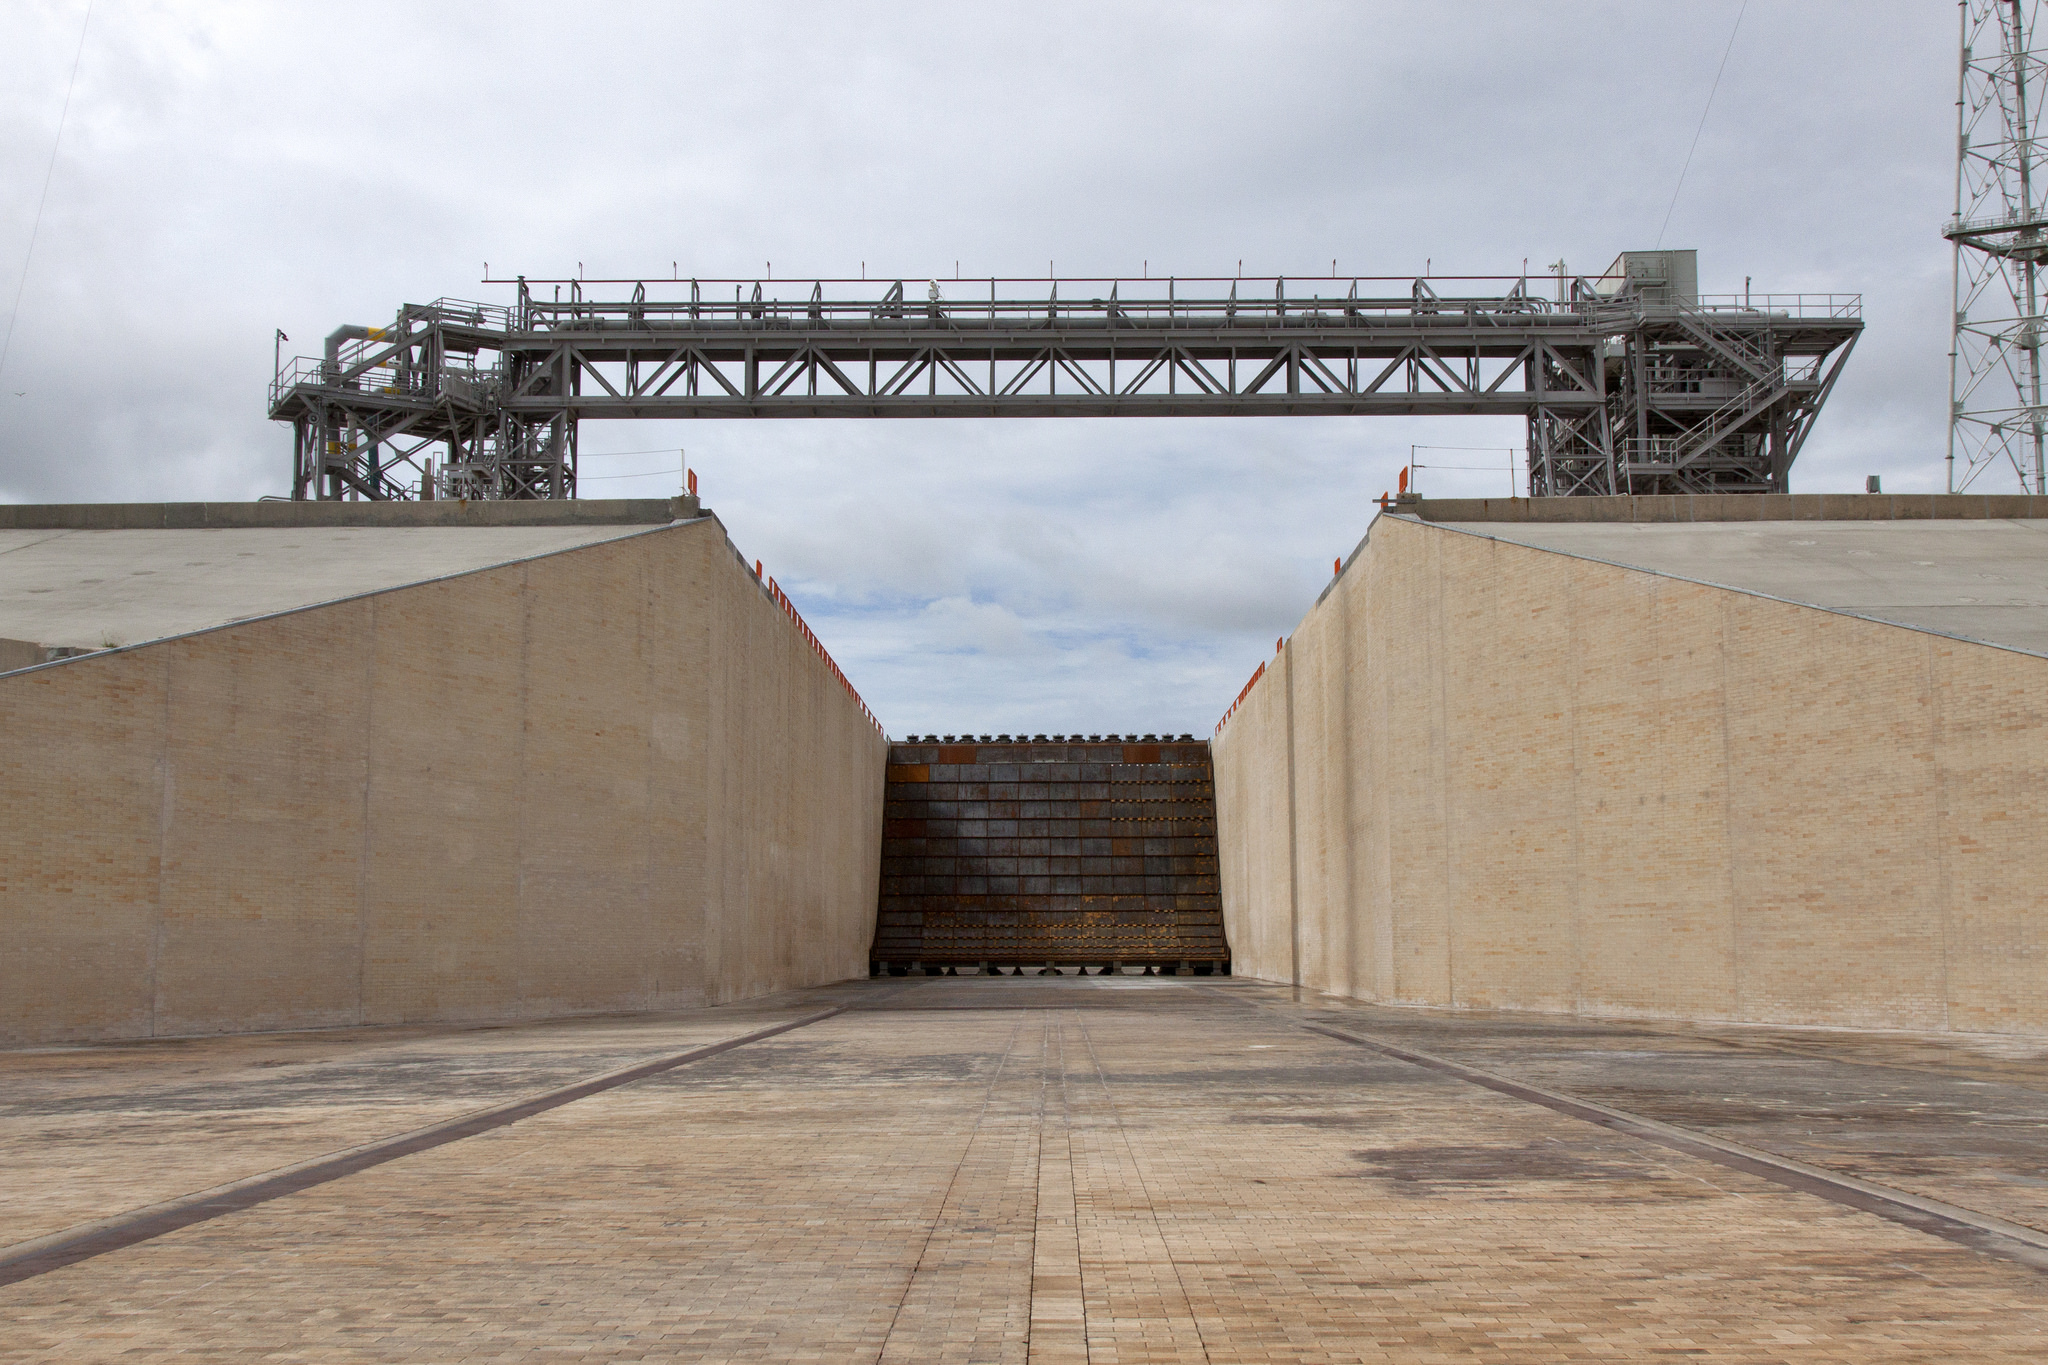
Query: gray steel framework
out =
(1625, 387)
(2000, 232)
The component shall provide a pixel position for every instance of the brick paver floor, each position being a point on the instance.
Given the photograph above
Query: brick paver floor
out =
(1112, 1170)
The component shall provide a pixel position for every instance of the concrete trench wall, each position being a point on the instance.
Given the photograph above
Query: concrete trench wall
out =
(614, 778)
(1486, 775)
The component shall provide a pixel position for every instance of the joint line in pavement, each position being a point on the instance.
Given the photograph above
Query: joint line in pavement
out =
(26, 1260)
(1978, 1231)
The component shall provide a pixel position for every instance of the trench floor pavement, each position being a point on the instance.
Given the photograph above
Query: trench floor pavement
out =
(1110, 1170)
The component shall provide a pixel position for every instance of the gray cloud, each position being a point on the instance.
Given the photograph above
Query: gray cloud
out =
(231, 169)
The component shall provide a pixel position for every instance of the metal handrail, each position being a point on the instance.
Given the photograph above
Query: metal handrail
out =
(1310, 310)
(1790, 305)
(1697, 438)
(314, 372)
(1163, 309)
(1991, 222)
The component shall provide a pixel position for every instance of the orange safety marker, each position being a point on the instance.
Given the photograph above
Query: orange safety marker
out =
(818, 646)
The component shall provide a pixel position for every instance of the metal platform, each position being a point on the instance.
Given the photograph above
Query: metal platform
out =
(1075, 851)
(1630, 381)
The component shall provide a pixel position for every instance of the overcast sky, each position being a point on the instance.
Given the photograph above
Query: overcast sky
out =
(228, 169)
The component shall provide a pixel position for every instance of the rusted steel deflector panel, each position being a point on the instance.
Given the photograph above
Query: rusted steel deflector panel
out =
(1064, 852)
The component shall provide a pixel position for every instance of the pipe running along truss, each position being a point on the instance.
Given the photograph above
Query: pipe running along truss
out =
(1629, 382)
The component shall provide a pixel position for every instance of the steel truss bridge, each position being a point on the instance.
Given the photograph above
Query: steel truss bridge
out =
(1629, 382)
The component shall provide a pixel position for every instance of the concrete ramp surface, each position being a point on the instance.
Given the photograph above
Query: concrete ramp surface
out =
(1976, 580)
(96, 589)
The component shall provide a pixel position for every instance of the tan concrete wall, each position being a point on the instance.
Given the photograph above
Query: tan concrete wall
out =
(1524, 780)
(615, 778)
(1255, 849)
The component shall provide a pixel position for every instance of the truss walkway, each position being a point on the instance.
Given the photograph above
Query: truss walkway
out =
(1627, 383)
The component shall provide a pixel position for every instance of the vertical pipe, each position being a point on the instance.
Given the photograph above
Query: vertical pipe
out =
(2030, 323)
(1641, 381)
(1293, 838)
(330, 443)
(1955, 335)
(1598, 365)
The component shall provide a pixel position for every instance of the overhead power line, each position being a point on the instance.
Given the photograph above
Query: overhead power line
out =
(37, 226)
(1703, 122)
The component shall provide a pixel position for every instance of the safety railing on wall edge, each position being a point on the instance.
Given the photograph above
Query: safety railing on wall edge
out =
(1257, 674)
(781, 599)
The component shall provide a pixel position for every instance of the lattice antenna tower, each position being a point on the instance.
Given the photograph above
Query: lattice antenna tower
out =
(2000, 234)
